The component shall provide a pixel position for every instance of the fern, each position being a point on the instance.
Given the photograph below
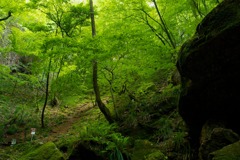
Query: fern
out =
(116, 155)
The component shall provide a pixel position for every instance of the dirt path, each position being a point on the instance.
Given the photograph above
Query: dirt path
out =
(56, 130)
(63, 128)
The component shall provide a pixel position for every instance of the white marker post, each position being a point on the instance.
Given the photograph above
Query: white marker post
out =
(33, 131)
(14, 141)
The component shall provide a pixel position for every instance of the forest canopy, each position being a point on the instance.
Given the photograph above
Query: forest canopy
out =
(53, 51)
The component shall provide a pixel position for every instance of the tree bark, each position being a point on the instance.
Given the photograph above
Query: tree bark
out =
(46, 93)
(92, 19)
(100, 104)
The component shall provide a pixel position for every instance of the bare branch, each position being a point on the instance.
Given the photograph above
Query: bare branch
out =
(152, 18)
(5, 18)
(165, 27)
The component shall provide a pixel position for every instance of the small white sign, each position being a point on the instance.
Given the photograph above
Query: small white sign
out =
(33, 131)
(14, 141)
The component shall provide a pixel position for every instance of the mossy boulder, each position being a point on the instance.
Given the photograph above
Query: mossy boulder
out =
(215, 140)
(230, 152)
(86, 150)
(47, 151)
(209, 69)
(145, 150)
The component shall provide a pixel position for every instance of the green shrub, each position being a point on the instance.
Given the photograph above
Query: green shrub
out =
(110, 142)
(12, 129)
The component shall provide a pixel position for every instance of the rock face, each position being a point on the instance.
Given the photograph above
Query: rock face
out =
(209, 65)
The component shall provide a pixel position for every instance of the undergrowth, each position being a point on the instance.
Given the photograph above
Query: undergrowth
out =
(102, 138)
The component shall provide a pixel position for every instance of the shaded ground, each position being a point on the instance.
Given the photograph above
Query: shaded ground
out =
(61, 129)
(55, 129)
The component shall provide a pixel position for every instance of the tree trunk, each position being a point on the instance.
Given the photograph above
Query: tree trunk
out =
(46, 93)
(101, 105)
(92, 19)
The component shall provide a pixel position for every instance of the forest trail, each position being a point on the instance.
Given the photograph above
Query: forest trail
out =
(54, 131)
(63, 128)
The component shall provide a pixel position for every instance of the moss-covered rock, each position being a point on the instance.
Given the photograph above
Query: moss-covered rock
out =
(157, 155)
(48, 151)
(230, 152)
(215, 140)
(209, 69)
(87, 150)
(145, 150)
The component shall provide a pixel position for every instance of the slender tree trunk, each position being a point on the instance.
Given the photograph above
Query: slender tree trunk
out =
(92, 19)
(100, 104)
(46, 93)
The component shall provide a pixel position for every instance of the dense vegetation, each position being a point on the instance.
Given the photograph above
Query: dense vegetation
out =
(49, 50)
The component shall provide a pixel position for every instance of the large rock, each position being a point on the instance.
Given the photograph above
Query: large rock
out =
(230, 152)
(215, 139)
(47, 151)
(145, 150)
(209, 65)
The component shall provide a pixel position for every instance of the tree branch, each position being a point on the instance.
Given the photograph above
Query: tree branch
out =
(152, 18)
(160, 36)
(5, 18)
(165, 28)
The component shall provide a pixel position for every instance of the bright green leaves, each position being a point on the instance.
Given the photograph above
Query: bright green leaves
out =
(68, 18)
(61, 17)
(13, 6)
(26, 42)
(135, 46)
(4, 71)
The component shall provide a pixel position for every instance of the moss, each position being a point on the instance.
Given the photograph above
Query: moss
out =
(157, 155)
(144, 149)
(47, 151)
(220, 18)
(230, 152)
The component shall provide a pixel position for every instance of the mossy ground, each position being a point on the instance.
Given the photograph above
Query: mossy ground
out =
(47, 151)
(85, 125)
(59, 123)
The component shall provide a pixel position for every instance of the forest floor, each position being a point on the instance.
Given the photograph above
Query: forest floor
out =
(55, 129)
(75, 116)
